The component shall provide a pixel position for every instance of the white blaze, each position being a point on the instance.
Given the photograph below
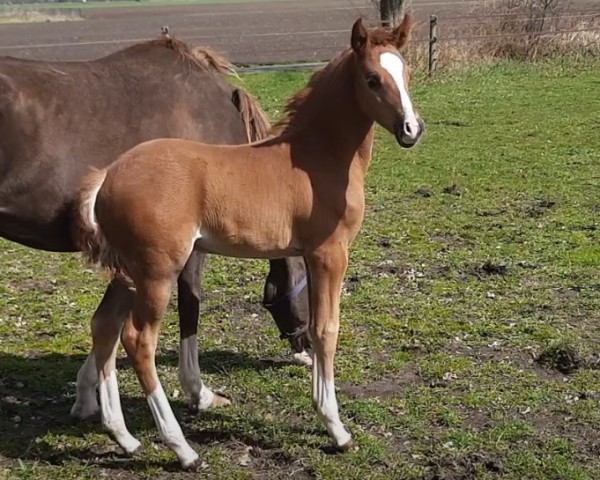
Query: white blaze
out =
(394, 65)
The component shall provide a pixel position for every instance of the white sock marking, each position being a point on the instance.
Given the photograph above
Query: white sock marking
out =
(168, 427)
(325, 402)
(86, 403)
(394, 65)
(112, 414)
(189, 374)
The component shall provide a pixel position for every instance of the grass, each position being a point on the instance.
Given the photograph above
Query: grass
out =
(479, 254)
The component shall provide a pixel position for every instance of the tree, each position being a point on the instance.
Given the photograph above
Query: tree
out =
(390, 11)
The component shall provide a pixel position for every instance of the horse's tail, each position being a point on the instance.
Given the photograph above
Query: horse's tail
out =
(88, 234)
(255, 120)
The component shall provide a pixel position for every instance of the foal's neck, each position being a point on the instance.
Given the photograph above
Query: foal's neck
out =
(331, 115)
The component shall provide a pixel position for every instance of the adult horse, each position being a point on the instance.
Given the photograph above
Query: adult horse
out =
(58, 119)
(300, 192)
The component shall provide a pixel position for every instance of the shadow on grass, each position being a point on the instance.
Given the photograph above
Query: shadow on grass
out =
(37, 391)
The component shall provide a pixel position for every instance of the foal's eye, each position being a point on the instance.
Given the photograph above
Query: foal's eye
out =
(373, 81)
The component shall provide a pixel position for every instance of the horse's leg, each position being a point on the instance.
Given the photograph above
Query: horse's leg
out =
(140, 338)
(327, 267)
(286, 298)
(113, 309)
(189, 285)
(105, 336)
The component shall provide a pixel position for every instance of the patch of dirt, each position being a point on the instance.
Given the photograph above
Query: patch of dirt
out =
(384, 388)
(492, 213)
(451, 123)
(488, 269)
(463, 467)
(384, 242)
(424, 192)
(567, 293)
(564, 358)
(537, 208)
(452, 190)
(449, 240)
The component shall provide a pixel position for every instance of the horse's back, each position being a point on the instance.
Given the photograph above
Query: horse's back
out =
(58, 119)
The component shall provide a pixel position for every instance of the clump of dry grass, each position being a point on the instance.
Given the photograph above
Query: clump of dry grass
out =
(528, 29)
(10, 14)
(518, 29)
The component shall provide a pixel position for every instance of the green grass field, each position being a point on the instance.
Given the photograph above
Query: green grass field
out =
(470, 319)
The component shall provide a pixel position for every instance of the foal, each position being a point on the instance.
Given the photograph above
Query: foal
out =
(298, 193)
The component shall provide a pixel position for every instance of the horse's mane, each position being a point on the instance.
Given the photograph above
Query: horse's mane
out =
(297, 102)
(201, 57)
(255, 120)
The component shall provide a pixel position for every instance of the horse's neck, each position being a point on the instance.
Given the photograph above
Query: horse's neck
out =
(334, 118)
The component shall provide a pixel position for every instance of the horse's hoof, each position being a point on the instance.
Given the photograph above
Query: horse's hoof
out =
(84, 411)
(219, 401)
(348, 446)
(335, 449)
(195, 466)
(131, 448)
(133, 453)
(302, 358)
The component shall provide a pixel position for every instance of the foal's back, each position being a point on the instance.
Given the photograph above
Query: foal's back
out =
(196, 194)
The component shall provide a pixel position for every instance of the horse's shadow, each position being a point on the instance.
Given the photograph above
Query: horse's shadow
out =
(37, 391)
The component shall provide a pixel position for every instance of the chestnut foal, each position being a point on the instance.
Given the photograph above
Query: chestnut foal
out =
(300, 192)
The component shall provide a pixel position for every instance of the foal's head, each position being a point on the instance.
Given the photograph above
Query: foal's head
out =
(383, 77)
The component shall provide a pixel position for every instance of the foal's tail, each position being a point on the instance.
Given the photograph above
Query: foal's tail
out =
(89, 237)
(255, 120)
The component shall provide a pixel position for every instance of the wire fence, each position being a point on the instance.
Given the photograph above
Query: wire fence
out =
(474, 25)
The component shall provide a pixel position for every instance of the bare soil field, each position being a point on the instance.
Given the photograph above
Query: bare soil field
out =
(248, 33)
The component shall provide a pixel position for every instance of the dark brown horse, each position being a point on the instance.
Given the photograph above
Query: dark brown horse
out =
(59, 119)
(300, 192)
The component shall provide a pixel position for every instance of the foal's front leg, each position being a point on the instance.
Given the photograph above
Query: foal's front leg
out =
(327, 267)
(189, 285)
(140, 339)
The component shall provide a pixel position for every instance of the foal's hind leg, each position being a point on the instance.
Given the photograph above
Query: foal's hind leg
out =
(140, 338)
(189, 284)
(326, 271)
(112, 311)
(105, 336)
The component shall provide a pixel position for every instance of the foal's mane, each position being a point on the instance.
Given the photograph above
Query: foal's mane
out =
(300, 99)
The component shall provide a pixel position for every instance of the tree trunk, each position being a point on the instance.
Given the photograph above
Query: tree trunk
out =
(390, 12)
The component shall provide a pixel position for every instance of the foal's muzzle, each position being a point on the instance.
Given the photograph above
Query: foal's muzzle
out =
(408, 134)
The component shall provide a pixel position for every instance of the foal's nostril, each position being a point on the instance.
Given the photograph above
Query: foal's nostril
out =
(408, 129)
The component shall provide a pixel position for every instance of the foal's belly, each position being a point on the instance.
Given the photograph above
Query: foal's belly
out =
(247, 245)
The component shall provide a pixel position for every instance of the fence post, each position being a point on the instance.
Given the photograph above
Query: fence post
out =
(433, 44)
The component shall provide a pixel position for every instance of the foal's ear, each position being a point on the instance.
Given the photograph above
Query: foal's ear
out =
(360, 36)
(402, 32)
